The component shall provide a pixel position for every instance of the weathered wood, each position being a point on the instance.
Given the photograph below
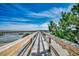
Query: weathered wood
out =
(73, 50)
(12, 48)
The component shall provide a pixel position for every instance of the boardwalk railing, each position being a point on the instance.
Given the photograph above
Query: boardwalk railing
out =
(12, 48)
(72, 48)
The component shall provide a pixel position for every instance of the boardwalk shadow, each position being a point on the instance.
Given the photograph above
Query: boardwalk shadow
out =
(43, 53)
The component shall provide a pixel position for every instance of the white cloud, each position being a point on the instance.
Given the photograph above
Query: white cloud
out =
(41, 14)
(53, 13)
(24, 27)
(19, 27)
(18, 6)
(45, 25)
(16, 19)
(57, 11)
(21, 19)
(50, 13)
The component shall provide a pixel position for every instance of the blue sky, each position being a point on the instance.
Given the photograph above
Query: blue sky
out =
(30, 16)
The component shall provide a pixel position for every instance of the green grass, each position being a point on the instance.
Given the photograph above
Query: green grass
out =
(26, 34)
(1, 34)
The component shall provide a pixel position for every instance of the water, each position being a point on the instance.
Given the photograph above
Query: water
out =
(9, 37)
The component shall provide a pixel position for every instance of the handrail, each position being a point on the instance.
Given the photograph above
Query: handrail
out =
(72, 49)
(13, 47)
(25, 48)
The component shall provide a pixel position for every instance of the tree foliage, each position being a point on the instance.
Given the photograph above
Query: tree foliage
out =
(68, 26)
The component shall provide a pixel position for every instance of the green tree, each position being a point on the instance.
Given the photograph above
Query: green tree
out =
(68, 26)
(75, 11)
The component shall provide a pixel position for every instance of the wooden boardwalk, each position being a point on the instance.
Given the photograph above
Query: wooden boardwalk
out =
(39, 44)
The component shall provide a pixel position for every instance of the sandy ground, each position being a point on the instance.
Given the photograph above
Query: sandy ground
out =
(1, 44)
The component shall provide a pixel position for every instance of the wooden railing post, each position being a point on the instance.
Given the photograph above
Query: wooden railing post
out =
(49, 46)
